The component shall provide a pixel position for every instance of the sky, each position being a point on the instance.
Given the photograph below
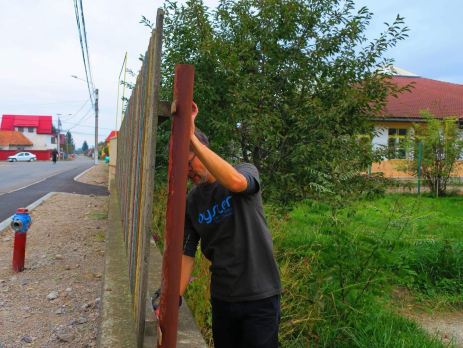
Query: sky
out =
(40, 50)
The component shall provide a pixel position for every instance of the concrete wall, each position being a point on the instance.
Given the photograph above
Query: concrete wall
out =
(39, 141)
(399, 168)
(117, 327)
(113, 152)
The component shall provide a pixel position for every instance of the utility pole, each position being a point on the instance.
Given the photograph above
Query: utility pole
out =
(58, 137)
(96, 127)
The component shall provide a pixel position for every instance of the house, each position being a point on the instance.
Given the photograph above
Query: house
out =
(112, 134)
(37, 130)
(442, 99)
(11, 142)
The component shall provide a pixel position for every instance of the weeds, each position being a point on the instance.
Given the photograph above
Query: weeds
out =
(339, 266)
(98, 215)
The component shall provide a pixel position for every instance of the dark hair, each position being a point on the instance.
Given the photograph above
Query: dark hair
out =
(202, 137)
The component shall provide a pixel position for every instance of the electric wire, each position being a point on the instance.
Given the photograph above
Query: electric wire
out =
(75, 113)
(85, 126)
(82, 118)
(82, 37)
(86, 44)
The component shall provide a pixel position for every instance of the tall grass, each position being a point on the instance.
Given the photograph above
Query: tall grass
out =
(336, 268)
(339, 267)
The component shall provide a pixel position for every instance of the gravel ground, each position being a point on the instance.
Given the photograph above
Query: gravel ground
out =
(55, 301)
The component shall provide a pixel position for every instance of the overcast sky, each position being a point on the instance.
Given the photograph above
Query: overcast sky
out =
(40, 51)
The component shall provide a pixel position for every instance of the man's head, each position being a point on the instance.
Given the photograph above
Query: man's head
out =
(197, 172)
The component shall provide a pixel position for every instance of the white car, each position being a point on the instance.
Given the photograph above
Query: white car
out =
(23, 157)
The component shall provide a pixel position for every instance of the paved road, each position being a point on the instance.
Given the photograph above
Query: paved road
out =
(62, 180)
(20, 174)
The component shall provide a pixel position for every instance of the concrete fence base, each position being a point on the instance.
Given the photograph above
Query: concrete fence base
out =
(117, 327)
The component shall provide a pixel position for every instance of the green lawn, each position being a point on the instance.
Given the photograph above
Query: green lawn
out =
(426, 218)
(339, 268)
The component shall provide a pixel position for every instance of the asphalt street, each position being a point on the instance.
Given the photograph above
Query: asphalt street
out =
(61, 182)
(20, 174)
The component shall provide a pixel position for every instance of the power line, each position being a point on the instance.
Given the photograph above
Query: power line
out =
(83, 41)
(83, 133)
(82, 118)
(75, 113)
(86, 44)
(85, 126)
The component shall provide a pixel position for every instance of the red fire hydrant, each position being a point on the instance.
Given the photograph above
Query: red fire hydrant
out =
(20, 223)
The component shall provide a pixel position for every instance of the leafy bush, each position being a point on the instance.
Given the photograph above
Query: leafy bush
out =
(434, 266)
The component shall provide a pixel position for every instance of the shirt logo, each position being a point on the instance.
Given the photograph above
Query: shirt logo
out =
(217, 212)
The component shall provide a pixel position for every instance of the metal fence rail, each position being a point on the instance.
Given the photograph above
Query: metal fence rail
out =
(135, 171)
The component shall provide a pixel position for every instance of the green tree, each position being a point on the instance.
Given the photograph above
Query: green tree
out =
(84, 146)
(442, 146)
(69, 145)
(287, 85)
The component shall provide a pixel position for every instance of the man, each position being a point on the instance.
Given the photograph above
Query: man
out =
(224, 211)
(54, 155)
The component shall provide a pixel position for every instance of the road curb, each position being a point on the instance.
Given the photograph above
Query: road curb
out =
(85, 171)
(6, 223)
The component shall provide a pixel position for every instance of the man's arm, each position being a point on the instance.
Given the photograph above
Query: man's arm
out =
(222, 171)
(188, 263)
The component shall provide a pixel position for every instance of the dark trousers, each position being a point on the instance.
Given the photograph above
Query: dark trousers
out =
(250, 324)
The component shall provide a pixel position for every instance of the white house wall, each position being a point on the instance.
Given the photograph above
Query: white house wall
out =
(39, 141)
(380, 138)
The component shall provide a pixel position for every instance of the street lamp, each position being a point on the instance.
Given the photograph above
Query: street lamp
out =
(95, 151)
(78, 78)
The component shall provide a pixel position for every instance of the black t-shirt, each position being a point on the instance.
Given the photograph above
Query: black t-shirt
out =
(234, 237)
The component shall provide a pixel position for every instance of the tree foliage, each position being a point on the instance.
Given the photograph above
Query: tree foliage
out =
(69, 143)
(287, 85)
(84, 146)
(442, 145)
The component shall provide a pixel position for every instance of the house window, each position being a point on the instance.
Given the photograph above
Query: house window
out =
(53, 140)
(397, 138)
(21, 129)
(30, 129)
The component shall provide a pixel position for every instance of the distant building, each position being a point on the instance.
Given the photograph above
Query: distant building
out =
(442, 99)
(27, 132)
(112, 134)
(12, 140)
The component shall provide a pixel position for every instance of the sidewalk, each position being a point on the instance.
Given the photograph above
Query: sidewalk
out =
(56, 301)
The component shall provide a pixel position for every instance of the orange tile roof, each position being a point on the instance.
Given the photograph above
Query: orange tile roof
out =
(13, 138)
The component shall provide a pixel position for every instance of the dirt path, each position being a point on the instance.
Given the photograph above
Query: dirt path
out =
(55, 301)
(448, 326)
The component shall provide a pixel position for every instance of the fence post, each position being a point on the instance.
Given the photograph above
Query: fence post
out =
(176, 202)
(420, 156)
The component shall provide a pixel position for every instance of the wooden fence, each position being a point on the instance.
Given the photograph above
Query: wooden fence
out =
(135, 171)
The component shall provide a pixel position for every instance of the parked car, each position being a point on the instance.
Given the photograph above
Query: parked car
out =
(23, 157)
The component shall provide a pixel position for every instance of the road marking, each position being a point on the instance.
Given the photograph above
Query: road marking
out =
(36, 182)
(6, 223)
(48, 177)
(85, 171)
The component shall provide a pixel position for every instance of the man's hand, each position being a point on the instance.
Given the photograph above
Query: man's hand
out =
(155, 302)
